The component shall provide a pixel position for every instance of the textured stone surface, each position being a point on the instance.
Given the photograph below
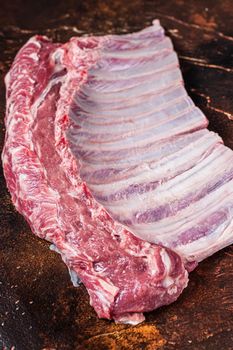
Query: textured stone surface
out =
(39, 308)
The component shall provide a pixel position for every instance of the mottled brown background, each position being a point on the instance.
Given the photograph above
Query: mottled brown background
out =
(39, 308)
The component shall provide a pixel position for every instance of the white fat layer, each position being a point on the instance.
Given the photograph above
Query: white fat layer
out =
(165, 43)
(35, 41)
(155, 135)
(185, 219)
(7, 79)
(162, 167)
(168, 281)
(147, 87)
(110, 288)
(105, 303)
(34, 56)
(179, 187)
(166, 260)
(208, 245)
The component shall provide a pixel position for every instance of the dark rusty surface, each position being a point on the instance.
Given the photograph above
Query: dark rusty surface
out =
(39, 308)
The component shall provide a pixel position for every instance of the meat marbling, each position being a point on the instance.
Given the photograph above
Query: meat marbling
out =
(139, 165)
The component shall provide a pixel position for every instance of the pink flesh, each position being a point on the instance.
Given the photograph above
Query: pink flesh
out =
(124, 275)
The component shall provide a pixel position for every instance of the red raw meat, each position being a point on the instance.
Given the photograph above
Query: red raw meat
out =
(124, 275)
